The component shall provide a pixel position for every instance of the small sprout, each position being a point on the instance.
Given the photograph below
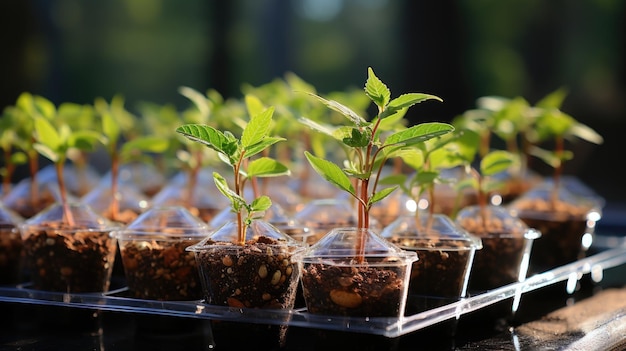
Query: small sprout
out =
(367, 150)
(237, 153)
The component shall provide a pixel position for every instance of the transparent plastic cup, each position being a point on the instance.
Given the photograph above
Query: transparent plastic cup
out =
(69, 255)
(157, 265)
(355, 272)
(445, 252)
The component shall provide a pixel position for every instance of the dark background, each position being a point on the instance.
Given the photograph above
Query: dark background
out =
(73, 50)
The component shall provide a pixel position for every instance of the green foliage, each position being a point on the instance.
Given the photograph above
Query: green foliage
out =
(367, 149)
(237, 152)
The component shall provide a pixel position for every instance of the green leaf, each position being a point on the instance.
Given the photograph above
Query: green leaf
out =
(199, 100)
(47, 134)
(144, 144)
(357, 138)
(376, 90)
(262, 145)
(344, 110)
(426, 177)
(549, 157)
(257, 129)
(208, 136)
(237, 201)
(411, 156)
(418, 133)
(586, 133)
(266, 167)
(110, 128)
(261, 203)
(253, 105)
(85, 139)
(405, 101)
(325, 129)
(47, 152)
(331, 172)
(383, 193)
(496, 162)
(554, 99)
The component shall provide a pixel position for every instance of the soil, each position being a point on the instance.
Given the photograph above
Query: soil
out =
(499, 261)
(27, 209)
(161, 270)
(73, 261)
(562, 229)
(438, 276)
(259, 274)
(365, 291)
(10, 254)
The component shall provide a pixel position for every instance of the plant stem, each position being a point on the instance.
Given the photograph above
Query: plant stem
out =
(241, 230)
(33, 163)
(115, 206)
(559, 147)
(63, 192)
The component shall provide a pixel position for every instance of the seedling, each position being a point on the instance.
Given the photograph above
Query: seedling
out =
(491, 164)
(554, 124)
(237, 153)
(367, 153)
(120, 128)
(56, 142)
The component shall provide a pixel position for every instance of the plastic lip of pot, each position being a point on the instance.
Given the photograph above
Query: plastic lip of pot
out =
(156, 263)
(334, 260)
(66, 257)
(446, 253)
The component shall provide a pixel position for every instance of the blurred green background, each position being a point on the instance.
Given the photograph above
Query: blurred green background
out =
(76, 50)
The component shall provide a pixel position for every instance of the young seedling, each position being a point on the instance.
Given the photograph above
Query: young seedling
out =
(367, 152)
(237, 153)
(55, 143)
(491, 164)
(119, 127)
(554, 124)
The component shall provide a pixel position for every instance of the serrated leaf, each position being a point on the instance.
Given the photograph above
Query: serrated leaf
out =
(257, 129)
(405, 101)
(266, 167)
(206, 135)
(331, 172)
(381, 194)
(418, 133)
(376, 90)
